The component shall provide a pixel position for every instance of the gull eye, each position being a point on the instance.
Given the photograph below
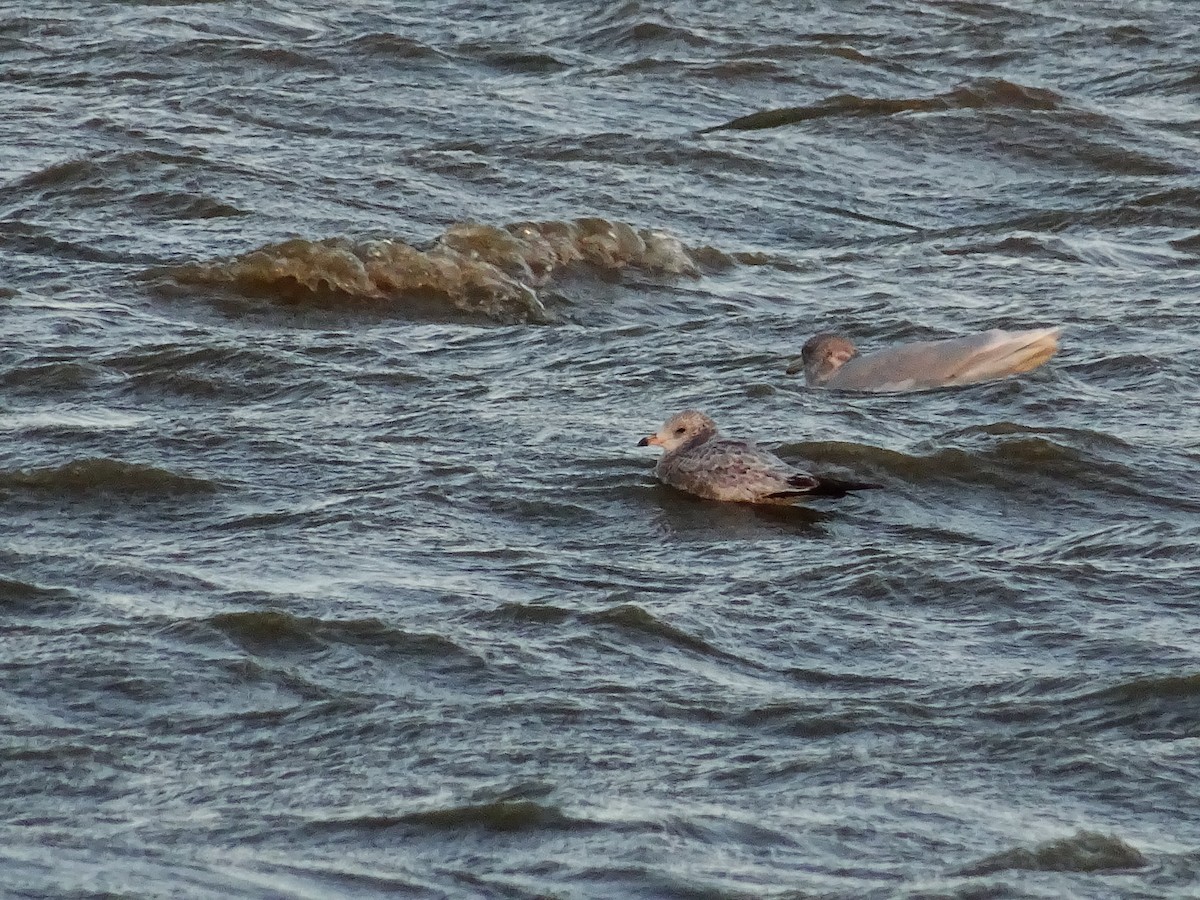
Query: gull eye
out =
(680, 430)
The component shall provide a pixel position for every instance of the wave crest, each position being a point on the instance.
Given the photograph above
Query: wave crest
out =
(497, 816)
(102, 475)
(985, 93)
(1086, 851)
(481, 270)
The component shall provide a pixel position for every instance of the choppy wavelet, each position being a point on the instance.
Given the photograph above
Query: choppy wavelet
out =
(987, 93)
(1003, 461)
(105, 476)
(481, 270)
(1086, 851)
(500, 815)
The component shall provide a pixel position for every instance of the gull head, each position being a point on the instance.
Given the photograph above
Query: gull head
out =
(681, 430)
(822, 355)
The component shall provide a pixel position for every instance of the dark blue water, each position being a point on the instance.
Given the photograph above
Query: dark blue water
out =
(329, 564)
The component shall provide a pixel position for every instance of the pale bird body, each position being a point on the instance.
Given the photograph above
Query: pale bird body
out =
(832, 361)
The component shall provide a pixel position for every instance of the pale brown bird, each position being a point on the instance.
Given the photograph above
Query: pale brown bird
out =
(698, 460)
(832, 361)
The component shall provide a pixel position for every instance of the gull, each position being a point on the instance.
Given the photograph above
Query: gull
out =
(698, 460)
(832, 361)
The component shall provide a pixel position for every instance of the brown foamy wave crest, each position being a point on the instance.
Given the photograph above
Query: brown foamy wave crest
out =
(481, 270)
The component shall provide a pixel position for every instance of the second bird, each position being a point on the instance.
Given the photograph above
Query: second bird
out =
(832, 361)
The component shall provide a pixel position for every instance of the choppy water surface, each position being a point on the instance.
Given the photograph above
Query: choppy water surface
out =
(331, 568)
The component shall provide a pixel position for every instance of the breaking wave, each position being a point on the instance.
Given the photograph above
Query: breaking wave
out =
(480, 270)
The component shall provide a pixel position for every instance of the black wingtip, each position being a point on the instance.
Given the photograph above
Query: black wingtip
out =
(822, 486)
(840, 487)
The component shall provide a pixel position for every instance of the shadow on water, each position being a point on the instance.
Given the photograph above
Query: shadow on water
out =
(683, 514)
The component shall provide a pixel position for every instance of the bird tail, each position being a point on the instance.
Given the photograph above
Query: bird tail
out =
(1017, 352)
(823, 486)
(839, 487)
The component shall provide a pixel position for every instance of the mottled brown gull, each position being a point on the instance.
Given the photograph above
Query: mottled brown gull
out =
(832, 361)
(698, 460)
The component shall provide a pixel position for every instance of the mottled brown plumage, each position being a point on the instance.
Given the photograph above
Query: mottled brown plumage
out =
(698, 460)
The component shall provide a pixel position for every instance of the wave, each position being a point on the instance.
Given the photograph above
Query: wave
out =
(390, 47)
(1049, 233)
(986, 93)
(807, 721)
(33, 598)
(276, 631)
(1005, 462)
(503, 815)
(1083, 436)
(481, 270)
(522, 614)
(27, 237)
(1188, 244)
(499, 816)
(97, 171)
(513, 59)
(150, 185)
(213, 369)
(109, 476)
(617, 33)
(1164, 688)
(1153, 708)
(625, 617)
(632, 618)
(45, 376)
(184, 205)
(250, 50)
(1086, 851)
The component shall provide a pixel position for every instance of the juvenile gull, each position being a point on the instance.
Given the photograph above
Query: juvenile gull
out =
(698, 460)
(832, 361)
